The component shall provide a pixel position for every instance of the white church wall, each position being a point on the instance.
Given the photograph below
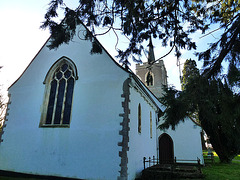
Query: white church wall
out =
(186, 140)
(90, 146)
(141, 144)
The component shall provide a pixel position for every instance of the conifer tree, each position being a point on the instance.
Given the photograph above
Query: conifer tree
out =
(190, 71)
(217, 108)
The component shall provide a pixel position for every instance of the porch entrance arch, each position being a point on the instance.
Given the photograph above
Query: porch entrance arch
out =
(166, 153)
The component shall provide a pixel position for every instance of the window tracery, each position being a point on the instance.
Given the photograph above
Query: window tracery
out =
(59, 94)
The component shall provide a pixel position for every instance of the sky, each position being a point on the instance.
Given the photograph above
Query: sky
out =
(21, 39)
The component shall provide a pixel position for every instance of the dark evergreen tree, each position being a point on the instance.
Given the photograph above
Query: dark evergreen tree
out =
(190, 71)
(138, 20)
(227, 14)
(218, 110)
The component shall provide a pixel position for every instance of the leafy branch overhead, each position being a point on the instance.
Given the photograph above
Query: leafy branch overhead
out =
(172, 22)
(138, 20)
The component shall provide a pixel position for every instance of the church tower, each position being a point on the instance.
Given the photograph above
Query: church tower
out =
(153, 74)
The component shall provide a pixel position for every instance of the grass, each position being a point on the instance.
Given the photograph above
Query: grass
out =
(237, 158)
(221, 171)
(212, 171)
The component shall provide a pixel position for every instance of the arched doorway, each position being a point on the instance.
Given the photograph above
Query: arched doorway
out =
(166, 153)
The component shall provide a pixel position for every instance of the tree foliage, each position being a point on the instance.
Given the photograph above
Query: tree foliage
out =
(172, 22)
(226, 13)
(190, 71)
(226, 48)
(138, 20)
(217, 108)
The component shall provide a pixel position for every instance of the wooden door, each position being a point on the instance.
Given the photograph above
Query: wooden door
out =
(166, 154)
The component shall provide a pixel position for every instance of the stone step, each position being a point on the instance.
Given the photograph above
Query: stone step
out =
(166, 172)
(169, 175)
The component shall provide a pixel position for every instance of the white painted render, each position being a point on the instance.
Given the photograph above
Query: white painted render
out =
(140, 144)
(186, 137)
(90, 146)
(186, 140)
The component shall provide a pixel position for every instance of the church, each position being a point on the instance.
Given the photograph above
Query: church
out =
(76, 115)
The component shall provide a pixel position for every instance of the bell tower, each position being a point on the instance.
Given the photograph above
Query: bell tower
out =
(153, 74)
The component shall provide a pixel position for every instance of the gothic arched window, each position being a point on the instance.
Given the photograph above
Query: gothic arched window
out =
(59, 93)
(151, 125)
(139, 118)
(149, 79)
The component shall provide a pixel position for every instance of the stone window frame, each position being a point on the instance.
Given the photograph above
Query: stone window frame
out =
(146, 75)
(47, 81)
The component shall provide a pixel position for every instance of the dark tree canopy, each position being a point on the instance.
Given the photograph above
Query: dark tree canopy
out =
(172, 22)
(190, 71)
(213, 105)
(138, 20)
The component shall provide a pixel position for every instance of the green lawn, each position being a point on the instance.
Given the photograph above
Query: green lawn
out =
(237, 158)
(220, 171)
(212, 171)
